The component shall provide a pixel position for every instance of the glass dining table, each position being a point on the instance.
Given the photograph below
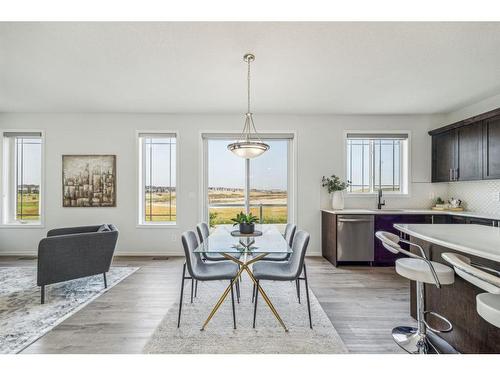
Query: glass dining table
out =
(245, 250)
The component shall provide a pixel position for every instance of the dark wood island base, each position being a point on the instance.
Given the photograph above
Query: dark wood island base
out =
(457, 302)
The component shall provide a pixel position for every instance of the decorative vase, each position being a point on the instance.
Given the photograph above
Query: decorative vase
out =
(338, 200)
(246, 228)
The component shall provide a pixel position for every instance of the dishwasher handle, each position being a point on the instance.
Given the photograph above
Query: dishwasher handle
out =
(354, 220)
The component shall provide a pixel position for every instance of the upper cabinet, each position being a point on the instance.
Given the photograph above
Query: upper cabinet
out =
(467, 150)
(444, 156)
(491, 148)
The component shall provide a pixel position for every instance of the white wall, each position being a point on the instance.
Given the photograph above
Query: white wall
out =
(477, 108)
(319, 147)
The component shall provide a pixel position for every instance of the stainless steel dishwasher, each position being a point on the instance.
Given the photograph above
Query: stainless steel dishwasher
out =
(355, 238)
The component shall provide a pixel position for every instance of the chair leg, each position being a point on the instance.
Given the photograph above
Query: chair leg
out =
(253, 293)
(307, 296)
(255, 303)
(195, 288)
(192, 289)
(105, 281)
(42, 296)
(238, 293)
(232, 303)
(182, 292)
(297, 285)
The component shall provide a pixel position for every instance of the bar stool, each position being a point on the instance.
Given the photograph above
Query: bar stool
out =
(487, 304)
(420, 269)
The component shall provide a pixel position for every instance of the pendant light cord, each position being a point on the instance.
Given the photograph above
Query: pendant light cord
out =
(248, 86)
(248, 146)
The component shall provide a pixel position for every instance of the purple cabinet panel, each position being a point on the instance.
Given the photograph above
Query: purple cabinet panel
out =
(382, 256)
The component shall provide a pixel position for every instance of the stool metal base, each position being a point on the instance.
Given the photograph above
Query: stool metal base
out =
(411, 341)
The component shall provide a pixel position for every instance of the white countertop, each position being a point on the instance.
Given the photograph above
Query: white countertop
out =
(408, 211)
(479, 240)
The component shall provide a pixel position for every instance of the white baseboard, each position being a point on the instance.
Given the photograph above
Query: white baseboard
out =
(27, 253)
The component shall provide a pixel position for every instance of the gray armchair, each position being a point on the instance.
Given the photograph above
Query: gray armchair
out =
(72, 253)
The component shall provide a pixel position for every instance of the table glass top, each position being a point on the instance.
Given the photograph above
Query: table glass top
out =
(221, 241)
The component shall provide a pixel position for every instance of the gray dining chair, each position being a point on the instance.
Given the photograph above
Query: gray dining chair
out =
(290, 230)
(289, 270)
(203, 233)
(203, 271)
(289, 234)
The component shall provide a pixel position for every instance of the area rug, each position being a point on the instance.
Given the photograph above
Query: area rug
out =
(23, 319)
(267, 338)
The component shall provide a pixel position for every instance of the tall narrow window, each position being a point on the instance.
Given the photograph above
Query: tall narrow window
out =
(22, 172)
(260, 185)
(158, 170)
(377, 162)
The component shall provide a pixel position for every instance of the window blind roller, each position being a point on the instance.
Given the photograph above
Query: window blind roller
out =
(377, 136)
(22, 134)
(232, 137)
(157, 135)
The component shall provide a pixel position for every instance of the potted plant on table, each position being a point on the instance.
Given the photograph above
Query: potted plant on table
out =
(246, 222)
(335, 187)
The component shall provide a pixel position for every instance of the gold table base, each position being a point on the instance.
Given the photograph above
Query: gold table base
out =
(244, 267)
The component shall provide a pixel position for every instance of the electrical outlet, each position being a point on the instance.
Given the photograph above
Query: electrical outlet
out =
(174, 238)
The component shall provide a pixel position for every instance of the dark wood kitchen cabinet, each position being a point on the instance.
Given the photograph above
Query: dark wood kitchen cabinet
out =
(475, 220)
(458, 220)
(491, 148)
(329, 237)
(444, 156)
(455, 219)
(469, 159)
(467, 150)
(457, 154)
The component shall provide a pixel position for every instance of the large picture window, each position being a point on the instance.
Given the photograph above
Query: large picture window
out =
(261, 185)
(157, 165)
(22, 178)
(377, 162)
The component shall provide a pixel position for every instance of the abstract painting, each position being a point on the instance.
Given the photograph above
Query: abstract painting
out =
(89, 180)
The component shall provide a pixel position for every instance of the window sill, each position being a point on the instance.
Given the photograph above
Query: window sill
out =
(21, 226)
(157, 226)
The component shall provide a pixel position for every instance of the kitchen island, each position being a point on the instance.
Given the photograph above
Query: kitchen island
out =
(457, 302)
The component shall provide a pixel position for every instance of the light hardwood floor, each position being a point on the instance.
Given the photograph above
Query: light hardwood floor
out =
(363, 303)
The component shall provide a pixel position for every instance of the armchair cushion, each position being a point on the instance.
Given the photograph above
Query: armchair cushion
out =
(104, 228)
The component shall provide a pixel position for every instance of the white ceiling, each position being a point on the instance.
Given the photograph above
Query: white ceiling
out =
(333, 67)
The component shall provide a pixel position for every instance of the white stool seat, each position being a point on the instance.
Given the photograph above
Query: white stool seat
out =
(418, 270)
(488, 307)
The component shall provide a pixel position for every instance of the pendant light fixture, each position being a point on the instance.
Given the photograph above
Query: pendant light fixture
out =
(249, 145)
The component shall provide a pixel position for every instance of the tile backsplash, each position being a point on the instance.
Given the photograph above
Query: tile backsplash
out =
(477, 196)
(422, 195)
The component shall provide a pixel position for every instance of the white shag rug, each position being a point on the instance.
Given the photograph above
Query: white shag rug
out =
(23, 319)
(267, 338)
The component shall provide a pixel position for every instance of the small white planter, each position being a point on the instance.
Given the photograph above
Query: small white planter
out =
(338, 200)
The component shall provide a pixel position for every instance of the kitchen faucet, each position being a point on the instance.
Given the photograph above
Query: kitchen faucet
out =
(380, 203)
